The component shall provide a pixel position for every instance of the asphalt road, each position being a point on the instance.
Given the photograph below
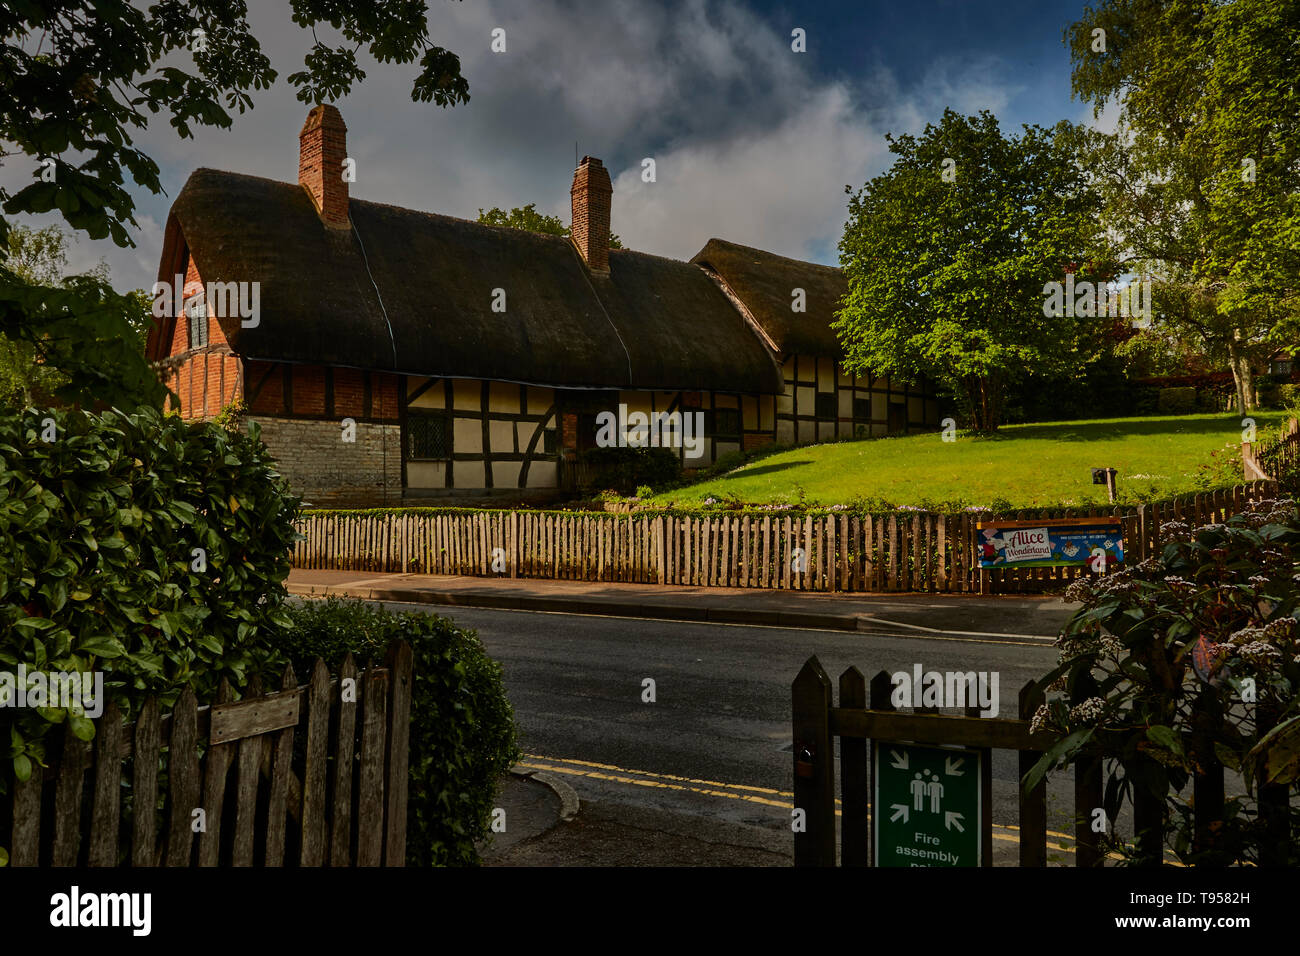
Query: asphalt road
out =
(710, 758)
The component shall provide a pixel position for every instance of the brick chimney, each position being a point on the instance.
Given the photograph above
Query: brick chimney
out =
(591, 193)
(322, 147)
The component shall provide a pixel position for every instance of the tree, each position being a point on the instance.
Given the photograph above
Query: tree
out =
(530, 220)
(1202, 177)
(40, 257)
(78, 76)
(948, 253)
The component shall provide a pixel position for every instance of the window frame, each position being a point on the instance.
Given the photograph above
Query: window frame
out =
(196, 321)
(427, 414)
(718, 433)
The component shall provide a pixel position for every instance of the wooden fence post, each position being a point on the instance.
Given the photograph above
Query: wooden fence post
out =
(1033, 806)
(313, 777)
(108, 789)
(854, 794)
(814, 766)
(144, 785)
(1207, 786)
(1148, 817)
(341, 824)
(185, 783)
(400, 677)
(247, 775)
(1087, 794)
(281, 767)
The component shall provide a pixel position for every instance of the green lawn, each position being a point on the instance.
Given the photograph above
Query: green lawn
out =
(1024, 465)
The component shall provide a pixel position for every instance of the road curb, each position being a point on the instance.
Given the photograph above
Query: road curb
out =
(569, 804)
(569, 605)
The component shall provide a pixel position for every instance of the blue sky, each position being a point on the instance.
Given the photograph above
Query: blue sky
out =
(752, 142)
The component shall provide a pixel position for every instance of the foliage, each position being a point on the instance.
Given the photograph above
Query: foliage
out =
(40, 257)
(1202, 177)
(1200, 640)
(230, 418)
(80, 77)
(98, 567)
(1176, 401)
(624, 469)
(947, 273)
(1092, 389)
(1156, 351)
(463, 735)
(529, 219)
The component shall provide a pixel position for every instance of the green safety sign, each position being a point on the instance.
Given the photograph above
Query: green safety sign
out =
(927, 808)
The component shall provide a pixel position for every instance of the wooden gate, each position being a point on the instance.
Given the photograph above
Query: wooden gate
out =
(320, 778)
(817, 722)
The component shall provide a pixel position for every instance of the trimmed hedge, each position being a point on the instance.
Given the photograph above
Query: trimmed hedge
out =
(463, 735)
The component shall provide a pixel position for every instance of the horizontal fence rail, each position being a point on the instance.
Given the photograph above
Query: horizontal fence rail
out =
(902, 551)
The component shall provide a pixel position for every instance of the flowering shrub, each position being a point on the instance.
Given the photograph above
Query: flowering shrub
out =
(1190, 659)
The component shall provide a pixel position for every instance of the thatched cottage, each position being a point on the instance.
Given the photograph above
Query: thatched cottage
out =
(393, 356)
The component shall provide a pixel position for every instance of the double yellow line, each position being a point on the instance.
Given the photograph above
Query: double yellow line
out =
(765, 796)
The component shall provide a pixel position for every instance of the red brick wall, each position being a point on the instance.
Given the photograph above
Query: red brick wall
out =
(383, 396)
(205, 381)
(310, 387)
(349, 393)
(308, 390)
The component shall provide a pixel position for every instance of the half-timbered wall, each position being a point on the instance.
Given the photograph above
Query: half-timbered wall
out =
(496, 435)
(822, 403)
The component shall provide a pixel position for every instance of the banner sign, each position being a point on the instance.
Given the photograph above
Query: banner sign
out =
(1048, 543)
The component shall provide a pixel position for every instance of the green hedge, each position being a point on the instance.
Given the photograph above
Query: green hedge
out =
(100, 516)
(100, 519)
(463, 734)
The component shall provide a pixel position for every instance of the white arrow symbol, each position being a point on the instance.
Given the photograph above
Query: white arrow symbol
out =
(900, 810)
(951, 819)
(899, 761)
(950, 768)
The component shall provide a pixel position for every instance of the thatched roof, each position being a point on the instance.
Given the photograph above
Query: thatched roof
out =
(765, 282)
(652, 324)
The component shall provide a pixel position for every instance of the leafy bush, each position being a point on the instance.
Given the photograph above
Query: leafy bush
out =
(462, 726)
(1176, 401)
(1145, 400)
(139, 545)
(1182, 661)
(1223, 468)
(623, 469)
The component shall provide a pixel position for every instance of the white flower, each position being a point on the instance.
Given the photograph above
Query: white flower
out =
(1087, 712)
(1259, 653)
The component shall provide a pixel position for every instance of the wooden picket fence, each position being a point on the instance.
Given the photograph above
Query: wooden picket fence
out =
(318, 780)
(1277, 460)
(858, 721)
(901, 551)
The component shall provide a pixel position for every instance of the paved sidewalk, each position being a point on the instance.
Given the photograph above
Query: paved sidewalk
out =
(973, 614)
(609, 834)
(531, 808)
